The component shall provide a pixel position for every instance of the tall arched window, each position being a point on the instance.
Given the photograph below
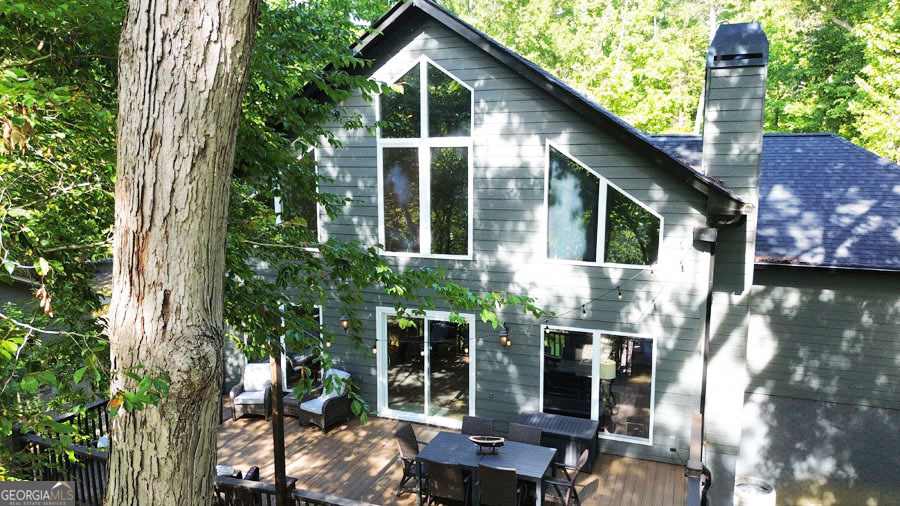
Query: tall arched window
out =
(424, 163)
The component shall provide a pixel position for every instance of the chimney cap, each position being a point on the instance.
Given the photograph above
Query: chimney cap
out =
(738, 45)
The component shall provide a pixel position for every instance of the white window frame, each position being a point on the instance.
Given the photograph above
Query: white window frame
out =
(284, 387)
(423, 144)
(601, 221)
(595, 378)
(279, 209)
(382, 314)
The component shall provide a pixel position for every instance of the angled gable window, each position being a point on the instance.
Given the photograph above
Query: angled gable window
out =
(425, 167)
(591, 220)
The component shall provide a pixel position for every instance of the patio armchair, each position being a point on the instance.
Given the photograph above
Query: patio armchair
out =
(561, 490)
(499, 486)
(446, 481)
(252, 396)
(524, 434)
(408, 448)
(328, 408)
(477, 426)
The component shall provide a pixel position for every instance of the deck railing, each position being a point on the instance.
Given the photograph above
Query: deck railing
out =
(237, 492)
(89, 470)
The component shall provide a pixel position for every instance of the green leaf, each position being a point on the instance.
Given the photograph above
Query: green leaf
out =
(42, 266)
(29, 384)
(9, 266)
(46, 377)
(79, 374)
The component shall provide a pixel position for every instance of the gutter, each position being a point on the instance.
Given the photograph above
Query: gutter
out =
(768, 266)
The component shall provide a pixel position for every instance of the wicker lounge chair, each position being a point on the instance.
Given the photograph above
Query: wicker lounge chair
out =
(499, 486)
(477, 426)
(252, 396)
(524, 434)
(327, 409)
(561, 490)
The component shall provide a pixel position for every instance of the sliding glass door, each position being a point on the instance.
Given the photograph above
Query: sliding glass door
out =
(425, 368)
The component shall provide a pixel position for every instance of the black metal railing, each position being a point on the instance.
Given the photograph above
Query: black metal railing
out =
(238, 492)
(46, 461)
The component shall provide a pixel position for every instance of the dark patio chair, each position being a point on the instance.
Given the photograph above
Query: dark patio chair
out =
(447, 482)
(477, 426)
(408, 447)
(561, 489)
(499, 486)
(524, 434)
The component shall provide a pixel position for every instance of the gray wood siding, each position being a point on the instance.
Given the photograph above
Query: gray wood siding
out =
(512, 122)
(832, 337)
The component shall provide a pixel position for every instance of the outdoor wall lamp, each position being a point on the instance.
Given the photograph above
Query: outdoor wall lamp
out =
(345, 322)
(504, 336)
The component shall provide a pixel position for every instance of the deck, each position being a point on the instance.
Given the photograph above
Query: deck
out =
(359, 462)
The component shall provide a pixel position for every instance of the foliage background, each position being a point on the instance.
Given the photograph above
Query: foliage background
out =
(835, 66)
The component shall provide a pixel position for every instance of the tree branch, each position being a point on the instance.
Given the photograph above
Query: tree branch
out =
(25, 63)
(843, 24)
(77, 246)
(31, 328)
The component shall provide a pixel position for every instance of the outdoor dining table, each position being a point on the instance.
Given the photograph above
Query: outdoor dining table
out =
(531, 462)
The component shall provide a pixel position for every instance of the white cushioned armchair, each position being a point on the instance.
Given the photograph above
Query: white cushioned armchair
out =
(252, 396)
(326, 409)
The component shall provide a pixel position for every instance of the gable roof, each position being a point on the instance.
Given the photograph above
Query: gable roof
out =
(723, 201)
(823, 201)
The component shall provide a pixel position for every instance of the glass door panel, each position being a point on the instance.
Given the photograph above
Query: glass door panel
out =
(632, 389)
(568, 372)
(449, 369)
(406, 366)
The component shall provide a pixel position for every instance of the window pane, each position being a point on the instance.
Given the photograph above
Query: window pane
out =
(572, 210)
(627, 411)
(568, 359)
(449, 369)
(449, 106)
(450, 201)
(297, 200)
(406, 366)
(401, 199)
(298, 356)
(632, 232)
(401, 110)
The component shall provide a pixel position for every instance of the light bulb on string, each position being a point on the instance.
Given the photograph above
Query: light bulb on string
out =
(620, 292)
(583, 311)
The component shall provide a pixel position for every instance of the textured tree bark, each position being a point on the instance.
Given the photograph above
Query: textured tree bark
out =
(183, 68)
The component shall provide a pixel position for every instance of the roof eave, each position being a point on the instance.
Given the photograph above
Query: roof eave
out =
(822, 268)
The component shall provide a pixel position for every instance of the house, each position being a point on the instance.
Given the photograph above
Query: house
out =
(704, 287)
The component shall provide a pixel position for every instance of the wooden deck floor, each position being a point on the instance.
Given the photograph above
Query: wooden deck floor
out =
(359, 462)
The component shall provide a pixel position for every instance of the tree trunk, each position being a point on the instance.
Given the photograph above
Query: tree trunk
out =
(183, 68)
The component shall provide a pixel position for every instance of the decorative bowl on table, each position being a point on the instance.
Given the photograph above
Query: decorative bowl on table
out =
(487, 444)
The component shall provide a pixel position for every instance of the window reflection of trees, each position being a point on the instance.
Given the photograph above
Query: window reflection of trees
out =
(632, 232)
(401, 199)
(572, 210)
(449, 201)
(400, 109)
(449, 106)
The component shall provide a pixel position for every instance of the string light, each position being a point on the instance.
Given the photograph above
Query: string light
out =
(618, 290)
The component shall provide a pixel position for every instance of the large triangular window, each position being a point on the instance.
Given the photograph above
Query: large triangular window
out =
(424, 157)
(591, 220)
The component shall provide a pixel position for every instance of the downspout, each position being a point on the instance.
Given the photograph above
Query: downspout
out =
(710, 235)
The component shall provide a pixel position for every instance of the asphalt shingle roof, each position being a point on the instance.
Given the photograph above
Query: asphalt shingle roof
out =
(823, 200)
